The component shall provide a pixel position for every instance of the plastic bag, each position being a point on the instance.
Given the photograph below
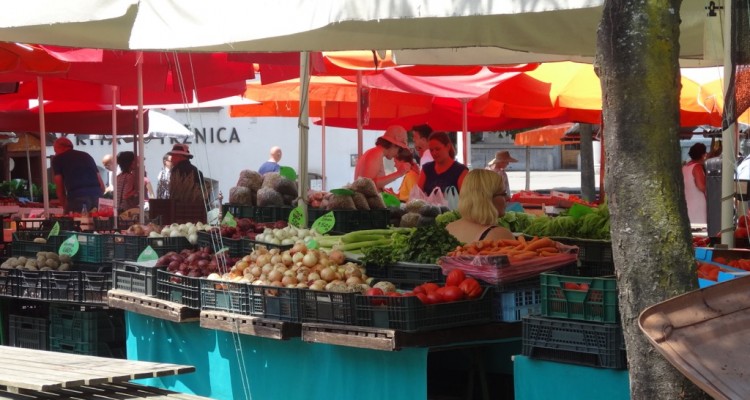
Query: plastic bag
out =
(435, 197)
(498, 270)
(451, 198)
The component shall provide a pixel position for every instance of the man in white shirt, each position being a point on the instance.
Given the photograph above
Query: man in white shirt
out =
(420, 135)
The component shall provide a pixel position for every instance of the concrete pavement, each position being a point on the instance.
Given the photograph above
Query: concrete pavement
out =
(546, 180)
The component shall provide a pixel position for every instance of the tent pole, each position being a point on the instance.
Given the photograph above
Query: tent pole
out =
(465, 127)
(323, 146)
(42, 146)
(360, 138)
(139, 177)
(727, 138)
(114, 156)
(528, 168)
(304, 128)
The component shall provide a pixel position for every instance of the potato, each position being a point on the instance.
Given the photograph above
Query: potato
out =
(51, 263)
(21, 260)
(64, 267)
(30, 264)
(40, 240)
(64, 258)
(40, 260)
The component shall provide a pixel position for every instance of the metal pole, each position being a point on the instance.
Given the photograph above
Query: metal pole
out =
(360, 138)
(465, 127)
(304, 128)
(528, 168)
(323, 146)
(42, 145)
(727, 137)
(114, 157)
(139, 177)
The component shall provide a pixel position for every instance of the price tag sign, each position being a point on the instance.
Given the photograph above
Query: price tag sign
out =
(229, 220)
(312, 244)
(297, 217)
(325, 223)
(288, 173)
(69, 247)
(148, 254)
(55, 230)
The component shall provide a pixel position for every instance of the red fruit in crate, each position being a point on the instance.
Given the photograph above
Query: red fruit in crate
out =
(455, 278)
(430, 287)
(378, 301)
(742, 221)
(434, 297)
(422, 297)
(419, 290)
(471, 288)
(452, 293)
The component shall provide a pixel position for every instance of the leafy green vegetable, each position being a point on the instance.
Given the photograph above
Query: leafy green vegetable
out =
(447, 217)
(428, 243)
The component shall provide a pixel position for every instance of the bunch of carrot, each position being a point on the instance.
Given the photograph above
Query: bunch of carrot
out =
(515, 249)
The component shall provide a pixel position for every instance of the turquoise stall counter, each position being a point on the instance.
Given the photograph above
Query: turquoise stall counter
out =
(230, 366)
(544, 380)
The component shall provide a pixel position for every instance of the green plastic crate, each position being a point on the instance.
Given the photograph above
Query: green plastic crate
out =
(579, 297)
(93, 247)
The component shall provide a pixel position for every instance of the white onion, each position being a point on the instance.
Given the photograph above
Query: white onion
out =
(309, 259)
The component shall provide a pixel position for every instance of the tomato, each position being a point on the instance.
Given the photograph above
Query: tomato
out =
(393, 294)
(583, 287)
(455, 278)
(471, 288)
(570, 286)
(742, 221)
(408, 294)
(452, 293)
(740, 233)
(430, 287)
(419, 289)
(434, 297)
(422, 297)
(378, 301)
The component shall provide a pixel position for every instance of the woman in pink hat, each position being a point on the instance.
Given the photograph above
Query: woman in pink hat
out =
(370, 164)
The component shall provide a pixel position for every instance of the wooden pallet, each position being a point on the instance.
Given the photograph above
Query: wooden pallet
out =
(394, 340)
(105, 391)
(46, 370)
(151, 306)
(248, 325)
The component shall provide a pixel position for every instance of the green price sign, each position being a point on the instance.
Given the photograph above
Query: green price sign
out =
(312, 244)
(288, 173)
(69, 247)
(342, 192)
(55, 230)
(325, 223)
(229, 220)
(148, 254)
(297, 217)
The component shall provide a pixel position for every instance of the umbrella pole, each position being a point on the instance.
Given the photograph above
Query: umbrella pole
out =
(323, 146)
(304, 127)
(465, 127)
(114, 157)
(359, 114)
(730, 149)
(140, 176)
(42, 145)
(528, 168)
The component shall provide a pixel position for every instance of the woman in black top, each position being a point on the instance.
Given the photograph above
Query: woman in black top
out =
(444, 171)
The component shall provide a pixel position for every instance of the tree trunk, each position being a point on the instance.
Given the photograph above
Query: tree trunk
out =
(637, 61)
(588, 175)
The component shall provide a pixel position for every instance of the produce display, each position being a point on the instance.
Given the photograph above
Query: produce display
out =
(594, 225)
(193, 263)
(424, 244)
(457, 287)
(268, 190)
(362, 194)
(419, 212)
(299, 267)
(246, 227)
(188, 230)
(516, 250)
(44, 261)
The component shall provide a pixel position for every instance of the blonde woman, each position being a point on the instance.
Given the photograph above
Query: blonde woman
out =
(480, 203)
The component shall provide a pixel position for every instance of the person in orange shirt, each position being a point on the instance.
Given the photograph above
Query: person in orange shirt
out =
(405, 159)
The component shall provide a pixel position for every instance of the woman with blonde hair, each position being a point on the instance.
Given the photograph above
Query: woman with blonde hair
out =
(480, 203)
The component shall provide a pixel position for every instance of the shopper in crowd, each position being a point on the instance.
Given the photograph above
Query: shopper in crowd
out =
(76, 176)
(444, 171)
(127, 187)
(421, 136)
(694, 177)
(272, 165)
(498, 164)
(185, 180)
(370, 164)
(112, 169)
(480, 203)
(405, 159)
(162, 180)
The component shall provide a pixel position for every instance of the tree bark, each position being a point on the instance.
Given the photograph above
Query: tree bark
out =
(637, 61)
(588, 175)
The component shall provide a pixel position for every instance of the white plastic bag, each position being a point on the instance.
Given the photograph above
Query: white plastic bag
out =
(451, 197)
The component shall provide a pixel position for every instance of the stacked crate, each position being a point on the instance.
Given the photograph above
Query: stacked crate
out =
(87, 331)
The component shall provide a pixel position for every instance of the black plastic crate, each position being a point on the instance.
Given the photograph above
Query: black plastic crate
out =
(86, 324)
(596, 270)
(27, 332)
(408, 313)
(274, 302)
(163, 245)
(231, 297)
(126, 247)
(65, 224)
(134, 277)
(248, 245)
(179, 289)
(7, 280)
(100, 349)
(30, 284)
(94, 285)
(107, 225)
(215, 242)
(406, 275)
(93, 247)
(24, 245)
(592, 344)
(353, 220)
(63, 286)
(328, 307)
(258, 213)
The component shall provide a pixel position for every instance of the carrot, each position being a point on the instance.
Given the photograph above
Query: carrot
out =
(538, 244)
(548, 253)
(548, 249)
(521, 239)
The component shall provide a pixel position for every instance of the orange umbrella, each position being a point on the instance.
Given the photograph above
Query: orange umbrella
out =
(576, 89)
(551, 135)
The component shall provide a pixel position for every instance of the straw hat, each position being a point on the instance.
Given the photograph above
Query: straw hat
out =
(397, 135)
(182, 150)
(501, 156)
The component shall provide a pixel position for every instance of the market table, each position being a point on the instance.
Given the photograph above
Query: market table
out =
(46, 370)
(232, 366)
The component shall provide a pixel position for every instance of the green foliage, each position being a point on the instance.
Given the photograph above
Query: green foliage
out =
(424, 244)
(515, 221)
(447, 217)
